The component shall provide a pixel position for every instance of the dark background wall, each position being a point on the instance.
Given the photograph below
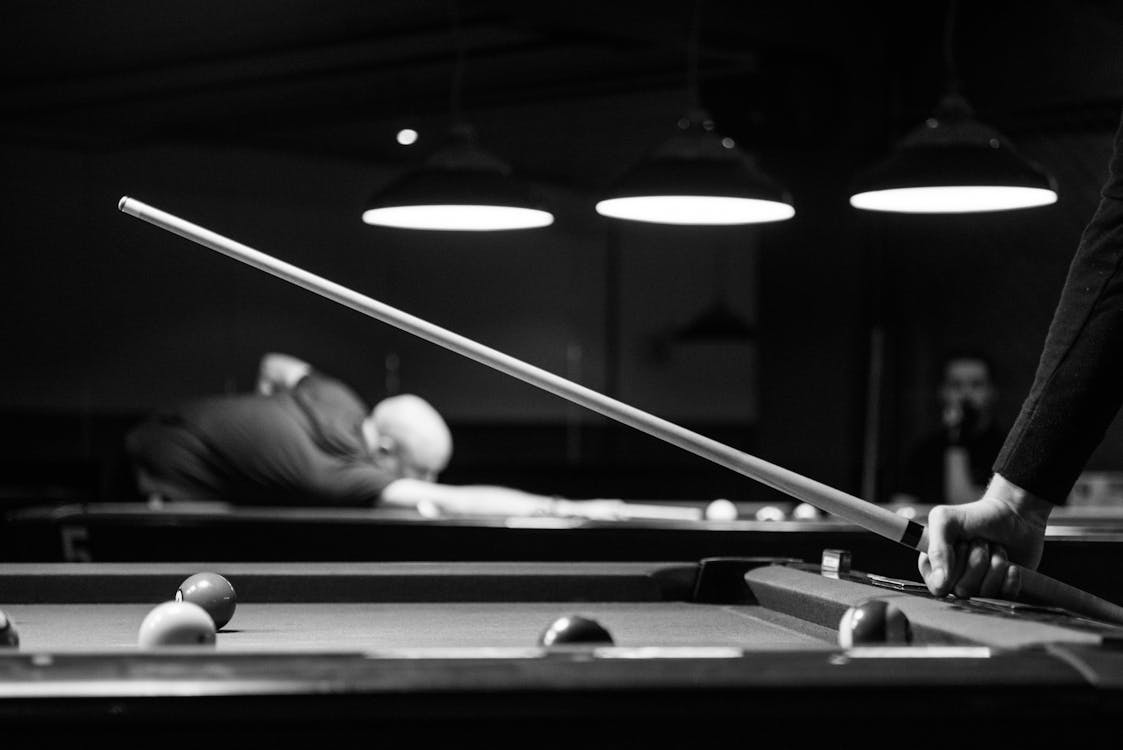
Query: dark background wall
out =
(272, 123)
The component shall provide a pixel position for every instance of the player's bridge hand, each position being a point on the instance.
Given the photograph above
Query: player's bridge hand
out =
(971, 546)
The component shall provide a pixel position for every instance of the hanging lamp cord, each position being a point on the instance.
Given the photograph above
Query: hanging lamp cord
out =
(456, 90)
(951, 74)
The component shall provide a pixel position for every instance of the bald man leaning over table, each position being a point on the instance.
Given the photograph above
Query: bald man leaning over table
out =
(304, 438)
(1077, 390)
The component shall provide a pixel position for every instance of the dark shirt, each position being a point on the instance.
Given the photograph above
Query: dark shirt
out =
(1078, 385)
(297, 447)
(924, 476)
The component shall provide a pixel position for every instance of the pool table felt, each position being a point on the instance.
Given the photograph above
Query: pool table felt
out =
(294, 645)
(407, 605)
(372, 627)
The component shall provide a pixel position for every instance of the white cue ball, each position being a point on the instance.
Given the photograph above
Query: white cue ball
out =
(805, 512)
(176, 624)
(721, 510)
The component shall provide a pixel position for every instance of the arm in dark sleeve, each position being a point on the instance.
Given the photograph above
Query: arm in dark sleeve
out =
(1078, 386)
(310, 474)
(264, 450)
(347, 484)
(324, 394)
(335, 413)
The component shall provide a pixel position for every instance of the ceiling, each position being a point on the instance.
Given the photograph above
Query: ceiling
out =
(328, 76)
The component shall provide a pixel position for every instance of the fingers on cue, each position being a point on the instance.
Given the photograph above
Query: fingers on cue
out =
(924, 565)
(959, 566)
(941, 554)
(1012, 584)
(975, 567)
(995, 578)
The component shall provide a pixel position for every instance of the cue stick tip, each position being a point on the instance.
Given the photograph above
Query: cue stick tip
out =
(121, 203)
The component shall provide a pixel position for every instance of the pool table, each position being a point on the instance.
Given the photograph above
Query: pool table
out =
(715, 650)
(1081, 543)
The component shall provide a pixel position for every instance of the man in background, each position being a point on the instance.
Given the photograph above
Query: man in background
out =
(952, 464)
(304, 438)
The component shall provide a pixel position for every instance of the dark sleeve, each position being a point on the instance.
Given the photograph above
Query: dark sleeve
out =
(338, 481)
(1078, 385)
(261, 450)
(335, 413)
(273, 451)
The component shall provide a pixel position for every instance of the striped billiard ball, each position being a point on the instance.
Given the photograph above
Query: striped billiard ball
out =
(213, 593)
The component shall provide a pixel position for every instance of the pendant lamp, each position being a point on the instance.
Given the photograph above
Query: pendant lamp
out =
(952, 163)
(697, 176)
(460, 187)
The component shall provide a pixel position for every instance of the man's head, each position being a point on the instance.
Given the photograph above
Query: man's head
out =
(408, 437)
(967, 390)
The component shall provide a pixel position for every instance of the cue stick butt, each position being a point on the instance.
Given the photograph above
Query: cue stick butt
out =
(1042, 589)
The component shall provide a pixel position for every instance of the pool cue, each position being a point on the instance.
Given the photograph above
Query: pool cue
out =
(868, 515)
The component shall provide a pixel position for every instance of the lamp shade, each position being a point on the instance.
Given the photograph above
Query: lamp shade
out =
(953, 164)
(697, 177)
(460, 187)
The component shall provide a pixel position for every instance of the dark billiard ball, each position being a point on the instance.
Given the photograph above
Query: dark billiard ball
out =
(9, 636)
(213, 593)
(176, 624)
(873, 622)
(574, 629)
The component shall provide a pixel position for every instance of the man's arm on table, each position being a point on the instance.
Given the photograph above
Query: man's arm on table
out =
(431, 498)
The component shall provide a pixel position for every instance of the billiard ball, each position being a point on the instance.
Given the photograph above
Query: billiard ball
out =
(873, 622)
(176, 624)
(574, 629)
(213, 593)
(9, 636)
(721, 510)
(805, 512)
(770, 513)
